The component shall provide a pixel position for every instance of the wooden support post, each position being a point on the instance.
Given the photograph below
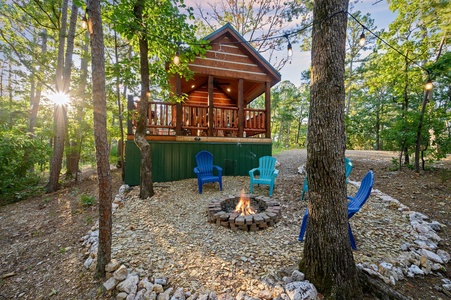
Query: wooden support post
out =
(240, 107)
(210, 105)
(178, 106)
(130, 108)
(268, 109)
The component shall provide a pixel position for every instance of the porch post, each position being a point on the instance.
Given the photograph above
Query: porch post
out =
(178, 106)
(268, 109)
(130, 108)
(240, 108)
(210, 105)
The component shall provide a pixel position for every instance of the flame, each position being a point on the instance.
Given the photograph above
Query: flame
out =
(244, 207)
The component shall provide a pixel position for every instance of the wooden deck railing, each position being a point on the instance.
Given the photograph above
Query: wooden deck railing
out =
(195, 120)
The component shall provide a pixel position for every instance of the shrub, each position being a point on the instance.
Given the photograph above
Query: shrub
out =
(19, 156)
(87, 200)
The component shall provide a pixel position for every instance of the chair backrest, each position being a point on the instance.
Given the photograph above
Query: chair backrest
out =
(204, 160)
(364, 191)
(348, 166)
(267, 165)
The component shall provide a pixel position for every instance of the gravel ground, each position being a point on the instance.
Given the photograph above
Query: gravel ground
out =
(169, 236)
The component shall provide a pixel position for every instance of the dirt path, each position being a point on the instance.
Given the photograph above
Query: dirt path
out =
(39, 237)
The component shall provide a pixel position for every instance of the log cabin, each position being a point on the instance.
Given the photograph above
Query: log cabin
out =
(226, 80)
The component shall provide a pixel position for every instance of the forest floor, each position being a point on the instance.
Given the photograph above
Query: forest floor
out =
(40, 245)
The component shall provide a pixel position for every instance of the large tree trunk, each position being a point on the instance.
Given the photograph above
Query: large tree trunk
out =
(328, 262)
(100, 136)
(146, 184)
(60, 111)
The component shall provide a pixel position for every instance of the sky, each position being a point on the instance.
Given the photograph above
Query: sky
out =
(301, 60)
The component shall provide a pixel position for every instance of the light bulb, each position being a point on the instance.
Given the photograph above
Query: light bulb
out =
(362, 40)
(84, 23)
(177, 58)
(428, 85)
(290, 49)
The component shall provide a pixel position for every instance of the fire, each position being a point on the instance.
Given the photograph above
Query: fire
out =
(244, 207)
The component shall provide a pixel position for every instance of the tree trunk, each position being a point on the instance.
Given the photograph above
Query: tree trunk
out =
(146, 184)
(420, 127)
(120, 144)
(74, 158)
(405, 149)
(328, 261)
(70, 47)
(378, 123)
(10, 93)
(348, 104)
(72, 145)
(60, 110)
(59, 119)
(100, 136)
(36, 96)
(423, 109)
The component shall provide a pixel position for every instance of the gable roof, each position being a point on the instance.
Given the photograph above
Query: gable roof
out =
(228, 29)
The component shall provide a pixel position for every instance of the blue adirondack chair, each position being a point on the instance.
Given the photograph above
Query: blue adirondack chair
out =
(267, 173)
(348, 169)
(204, 170)
(354, 205)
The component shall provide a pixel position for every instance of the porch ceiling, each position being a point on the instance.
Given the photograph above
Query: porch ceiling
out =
(229, 86)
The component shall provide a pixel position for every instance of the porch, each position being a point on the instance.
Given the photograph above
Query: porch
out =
(194, 120)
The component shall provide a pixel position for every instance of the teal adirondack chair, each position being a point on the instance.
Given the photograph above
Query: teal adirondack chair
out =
(348, 166)
(267, 173)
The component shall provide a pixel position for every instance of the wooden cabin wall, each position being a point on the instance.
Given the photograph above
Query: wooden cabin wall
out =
(200, 97)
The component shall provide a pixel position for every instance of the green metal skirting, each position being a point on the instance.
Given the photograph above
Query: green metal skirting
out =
(174, 160)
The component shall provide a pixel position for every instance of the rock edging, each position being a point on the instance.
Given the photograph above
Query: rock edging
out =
(419, 258)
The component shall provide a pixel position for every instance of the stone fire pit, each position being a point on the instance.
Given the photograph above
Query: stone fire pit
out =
(222, 212)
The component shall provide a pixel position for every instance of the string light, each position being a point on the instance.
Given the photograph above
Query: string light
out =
(289, 47)
(428, 85)
(84, 22)
(362, 39)
(177, 58)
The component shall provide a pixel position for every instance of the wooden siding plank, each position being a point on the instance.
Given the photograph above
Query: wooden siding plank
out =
(228, 64)
(225, 72)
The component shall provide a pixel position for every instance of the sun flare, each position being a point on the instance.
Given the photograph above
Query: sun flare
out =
(59, 98)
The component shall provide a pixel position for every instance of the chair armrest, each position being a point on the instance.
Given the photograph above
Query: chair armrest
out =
(219, 170)
(251, 172)
(353, 210)
(276, 172)
(196, 170)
